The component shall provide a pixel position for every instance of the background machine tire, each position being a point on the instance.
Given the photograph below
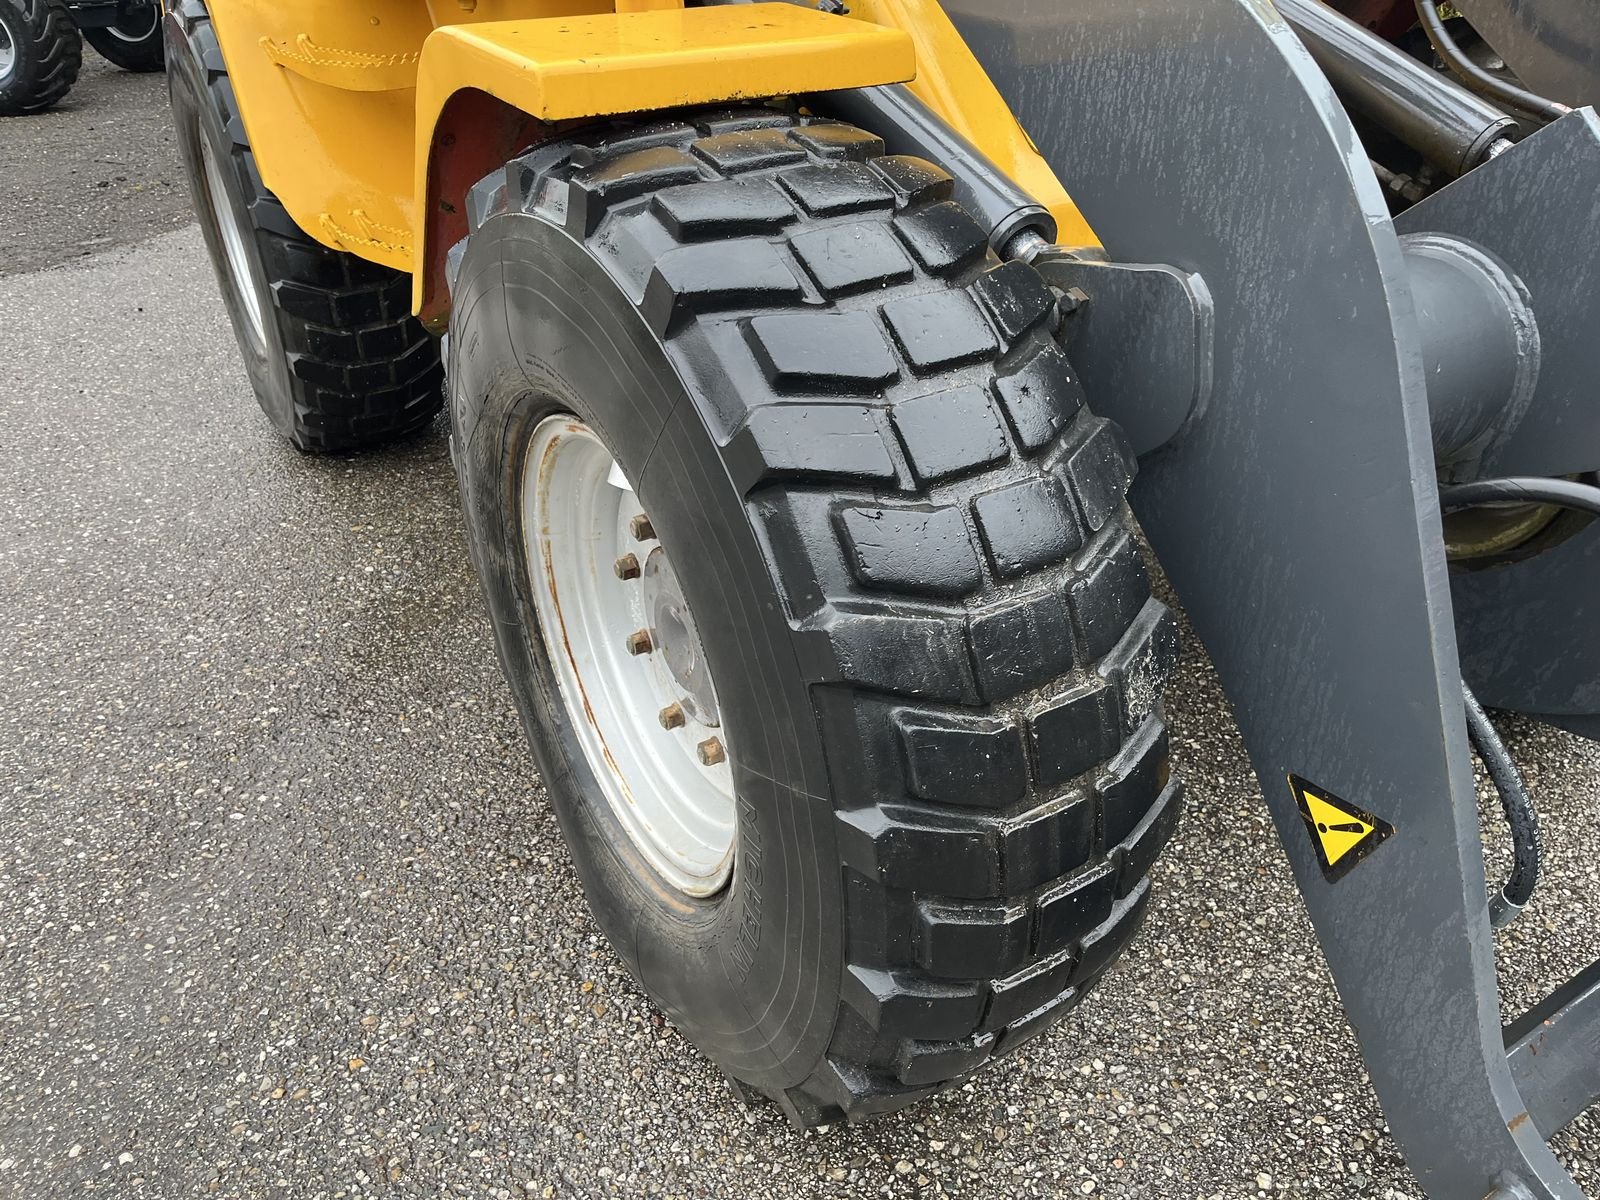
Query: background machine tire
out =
(928, 622)
(41, 53)
(133, 41)
(336, 359)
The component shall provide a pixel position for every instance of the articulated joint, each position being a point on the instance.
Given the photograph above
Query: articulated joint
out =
(1479, 343)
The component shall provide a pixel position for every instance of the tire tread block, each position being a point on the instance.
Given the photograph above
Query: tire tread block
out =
(846, 259)
(723, 208)
(1025, 527)
(972, 941)
(923, 551)
(730, 274)
(939, 330)
(1077, 731)
(827, 139)
(738, 150)
(832, 191)
(950, 433)
(811, 441)
(963, 761)
(1016, 299)
(943, 238)
(1041, 398)
(1021, 644)
(837, 353)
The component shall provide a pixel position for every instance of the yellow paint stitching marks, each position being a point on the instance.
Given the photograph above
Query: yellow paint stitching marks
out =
(368, 232)
(1342, 833)
(308, 52)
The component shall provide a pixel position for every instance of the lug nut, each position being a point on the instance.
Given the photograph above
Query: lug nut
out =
(639, 642)
(711, 752)
(672, 716)
(627, 567)
(641, 529)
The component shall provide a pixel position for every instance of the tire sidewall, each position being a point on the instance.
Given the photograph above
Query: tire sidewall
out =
(752, 976)
(16, 90)
(196, 116)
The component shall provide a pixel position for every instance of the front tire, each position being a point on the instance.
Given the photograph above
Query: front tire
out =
(134, 40)
(41, 53)
(903, 540)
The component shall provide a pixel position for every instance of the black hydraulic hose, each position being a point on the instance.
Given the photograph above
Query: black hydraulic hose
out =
(1474, 76)
(1521, 816)
(1562, 493)
(1523, 819)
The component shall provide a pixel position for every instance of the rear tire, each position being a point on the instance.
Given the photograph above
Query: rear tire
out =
(134, 41)
(904, 541)
(336, 359)
(41, 53)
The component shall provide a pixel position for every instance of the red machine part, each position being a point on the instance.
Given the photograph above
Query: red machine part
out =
(1387, 18)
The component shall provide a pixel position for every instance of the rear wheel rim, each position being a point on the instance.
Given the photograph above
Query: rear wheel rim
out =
(8, 53)
(135, 23)
(241, 281)
(648, 722)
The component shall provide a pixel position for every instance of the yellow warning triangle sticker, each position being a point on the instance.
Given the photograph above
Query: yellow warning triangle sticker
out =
(1342, 833)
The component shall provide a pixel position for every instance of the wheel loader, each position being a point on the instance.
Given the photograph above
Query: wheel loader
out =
(823, 382)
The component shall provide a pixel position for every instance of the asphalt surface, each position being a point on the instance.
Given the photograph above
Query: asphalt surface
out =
(284, 911)
(98, 170)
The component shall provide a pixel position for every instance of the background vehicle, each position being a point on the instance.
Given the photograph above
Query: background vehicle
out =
(41, 46)
(793, 411)
(125, 32)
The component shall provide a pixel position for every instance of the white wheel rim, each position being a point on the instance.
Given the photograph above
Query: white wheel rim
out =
(577, 507)
(149, 26)
(8, 53)
(242, 276)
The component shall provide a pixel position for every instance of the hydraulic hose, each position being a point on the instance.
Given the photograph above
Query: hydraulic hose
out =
(1527, 489)
(1522, 818)
(1474, 76)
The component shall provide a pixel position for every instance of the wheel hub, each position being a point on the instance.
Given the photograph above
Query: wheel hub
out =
(677, 640)
(628, 657)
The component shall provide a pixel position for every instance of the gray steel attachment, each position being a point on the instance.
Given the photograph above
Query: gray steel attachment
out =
(1140, 338)
(1536, 208)
(1553, 1048)
(1297, 516)
(1529, 629)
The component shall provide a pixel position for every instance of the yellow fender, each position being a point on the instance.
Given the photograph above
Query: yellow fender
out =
(369, 119)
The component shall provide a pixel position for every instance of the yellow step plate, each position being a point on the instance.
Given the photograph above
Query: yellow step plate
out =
(562, 68)
(556, 68)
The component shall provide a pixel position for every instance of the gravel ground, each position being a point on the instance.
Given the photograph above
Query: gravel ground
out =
(288, 914)
(98, 170)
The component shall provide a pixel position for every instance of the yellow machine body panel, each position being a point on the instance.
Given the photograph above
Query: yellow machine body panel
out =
(345, 102)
